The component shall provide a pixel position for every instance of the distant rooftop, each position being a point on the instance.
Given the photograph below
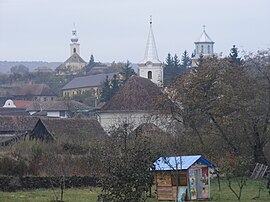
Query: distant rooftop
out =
(88, 81)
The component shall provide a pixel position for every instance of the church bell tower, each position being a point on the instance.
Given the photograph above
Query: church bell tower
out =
(74, 46)
(151, 67)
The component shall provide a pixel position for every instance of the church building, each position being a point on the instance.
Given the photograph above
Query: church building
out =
(204, 46)
(74, 63)
(151, 67)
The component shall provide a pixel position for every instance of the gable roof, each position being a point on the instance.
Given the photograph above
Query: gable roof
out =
(137, 94)
(87, 81)
(180, 162)
(70, 129)
(69, 105)
(75, 58)
(35, 90)
(17, 123)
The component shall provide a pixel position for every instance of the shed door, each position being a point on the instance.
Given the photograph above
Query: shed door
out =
(196, 188)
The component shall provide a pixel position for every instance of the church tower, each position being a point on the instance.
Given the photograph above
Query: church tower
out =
(74, 46)
(74, 64)
(151, 67)
(203, 46)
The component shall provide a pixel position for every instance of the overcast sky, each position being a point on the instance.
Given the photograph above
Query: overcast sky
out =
(116, 30)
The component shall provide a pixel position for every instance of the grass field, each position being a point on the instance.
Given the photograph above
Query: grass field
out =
(90, 194)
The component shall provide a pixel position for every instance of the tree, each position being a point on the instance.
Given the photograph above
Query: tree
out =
(176, 62)
(127, 160)
(106, 90)
(171, 68)
(127, 71)
(226, 106)
(19, 69)
(115, 85)
(234, 56)
(185, 61)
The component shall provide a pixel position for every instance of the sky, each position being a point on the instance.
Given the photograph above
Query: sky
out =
(117, 30)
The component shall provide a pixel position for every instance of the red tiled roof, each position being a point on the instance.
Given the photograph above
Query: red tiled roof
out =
(23, 104)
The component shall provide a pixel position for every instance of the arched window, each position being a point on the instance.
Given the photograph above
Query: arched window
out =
(208, 47)
(202, 49)
(149, 75)
(74, 50)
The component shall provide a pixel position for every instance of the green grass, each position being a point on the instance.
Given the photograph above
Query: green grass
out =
(250, 191)
(90, 194)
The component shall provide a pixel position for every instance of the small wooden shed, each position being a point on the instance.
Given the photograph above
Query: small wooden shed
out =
(184, 177)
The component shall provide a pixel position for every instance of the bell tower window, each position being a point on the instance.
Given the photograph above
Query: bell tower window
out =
(74, 50)
(149, 75)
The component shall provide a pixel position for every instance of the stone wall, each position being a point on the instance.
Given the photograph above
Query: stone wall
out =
(9, 183)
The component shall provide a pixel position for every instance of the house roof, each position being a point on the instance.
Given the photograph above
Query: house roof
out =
(35, 90)
(180, 162)
(87, 81)
(23, 104)
(69, 105)
(138, 94)
(70, 129)
(17, 123)
(13, 112)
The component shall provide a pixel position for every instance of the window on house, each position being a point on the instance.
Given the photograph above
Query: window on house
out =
(208, 49)
(51, 98)
(149, 75)
(74, 50)
(44, 99)
(202, 49)
(182, 179)
(62, 114)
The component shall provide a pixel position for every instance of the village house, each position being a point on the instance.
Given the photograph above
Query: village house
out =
(15, 108)
(13, 128)
(80, 85)
(72, 130)
(37, 92)
(58, 109)
(135, 103)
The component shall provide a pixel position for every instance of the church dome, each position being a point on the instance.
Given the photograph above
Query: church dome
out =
(74, 38)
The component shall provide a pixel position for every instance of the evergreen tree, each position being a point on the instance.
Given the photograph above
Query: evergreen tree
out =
(127, 71)
(106, 90)
(115, 85)
(186, 61)
(172, 68)
(92, 60)
(169, 61)
(176, 62)
(234, 56)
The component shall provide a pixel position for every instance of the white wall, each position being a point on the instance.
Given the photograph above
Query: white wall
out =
(110, 119)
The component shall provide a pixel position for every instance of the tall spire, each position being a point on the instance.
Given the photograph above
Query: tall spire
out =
(151, 50)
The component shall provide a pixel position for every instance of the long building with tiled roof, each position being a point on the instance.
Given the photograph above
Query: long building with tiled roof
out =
(80, 85)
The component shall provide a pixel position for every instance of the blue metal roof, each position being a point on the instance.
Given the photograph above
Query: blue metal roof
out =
(180, 162)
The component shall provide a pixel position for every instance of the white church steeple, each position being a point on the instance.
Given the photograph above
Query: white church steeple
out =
(204, 45)
(151, 67)
(74, 46)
